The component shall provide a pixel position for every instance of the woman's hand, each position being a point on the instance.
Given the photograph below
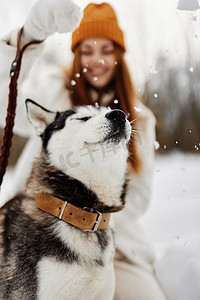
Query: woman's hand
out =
(49, 16)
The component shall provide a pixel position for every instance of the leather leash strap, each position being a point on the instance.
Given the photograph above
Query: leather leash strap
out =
(76, 216)
(12, 102)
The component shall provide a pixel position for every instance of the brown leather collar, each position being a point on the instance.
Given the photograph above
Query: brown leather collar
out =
(76, 216)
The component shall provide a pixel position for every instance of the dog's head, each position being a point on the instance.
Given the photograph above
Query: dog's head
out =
(81, 138)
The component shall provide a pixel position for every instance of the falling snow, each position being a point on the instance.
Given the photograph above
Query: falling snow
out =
(138, 109)
(101, 61)
(156, 145)
(153, 70)
(73, 82)
(193, 17)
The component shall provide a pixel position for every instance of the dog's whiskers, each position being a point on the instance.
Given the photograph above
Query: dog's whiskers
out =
(133, 120)
(135, 130)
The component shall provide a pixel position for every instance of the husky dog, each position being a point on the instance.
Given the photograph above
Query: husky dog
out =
(55, 239)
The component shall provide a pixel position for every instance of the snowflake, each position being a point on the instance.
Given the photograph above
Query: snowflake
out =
(156, 145)
(73, 82)
(101, 61)
(138, 109)
(153, 70)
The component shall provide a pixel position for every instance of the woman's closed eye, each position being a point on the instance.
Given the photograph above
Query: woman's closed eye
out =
(108, 52)
(87, 53)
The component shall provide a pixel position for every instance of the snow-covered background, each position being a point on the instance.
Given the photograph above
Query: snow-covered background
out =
(159, 37)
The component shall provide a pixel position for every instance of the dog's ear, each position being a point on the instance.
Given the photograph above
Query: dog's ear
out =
(39, 116)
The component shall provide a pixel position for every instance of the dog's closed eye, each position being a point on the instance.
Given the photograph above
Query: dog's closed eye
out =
(83, 119)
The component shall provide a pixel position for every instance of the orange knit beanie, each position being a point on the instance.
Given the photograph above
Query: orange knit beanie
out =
(99, 20)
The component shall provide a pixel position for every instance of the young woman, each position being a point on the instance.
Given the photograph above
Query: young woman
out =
(98, 76)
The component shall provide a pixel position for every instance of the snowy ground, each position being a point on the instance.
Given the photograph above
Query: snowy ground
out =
(175, 207)
(173, 224)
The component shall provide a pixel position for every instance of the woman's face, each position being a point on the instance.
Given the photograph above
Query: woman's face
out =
(98, 61)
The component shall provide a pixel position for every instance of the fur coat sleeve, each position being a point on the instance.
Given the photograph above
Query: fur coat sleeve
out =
(33, 82)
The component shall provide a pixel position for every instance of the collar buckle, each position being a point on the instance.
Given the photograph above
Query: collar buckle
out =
(98, 219)
(97, 222)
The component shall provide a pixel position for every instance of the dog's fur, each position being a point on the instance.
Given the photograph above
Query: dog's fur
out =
(83, 161)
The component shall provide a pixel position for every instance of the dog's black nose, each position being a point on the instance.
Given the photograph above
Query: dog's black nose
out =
(116, 115)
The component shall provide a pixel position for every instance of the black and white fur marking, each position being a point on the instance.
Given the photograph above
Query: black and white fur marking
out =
(83, 161)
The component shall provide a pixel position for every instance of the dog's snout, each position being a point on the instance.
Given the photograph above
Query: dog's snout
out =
(116, 115)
